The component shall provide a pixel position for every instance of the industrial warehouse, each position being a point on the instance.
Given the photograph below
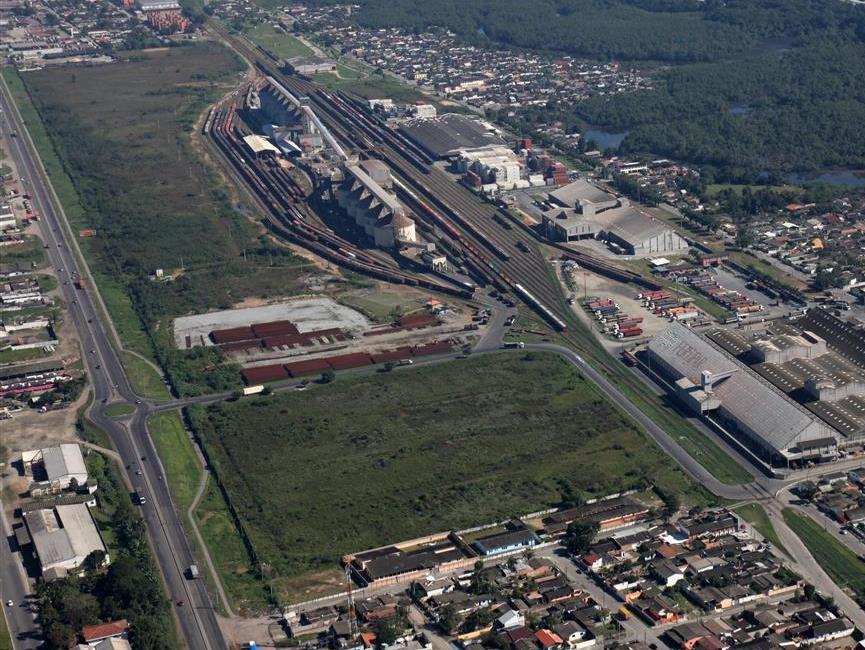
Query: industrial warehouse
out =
(589, 212)
(63, 537)
(784, 392)
(445, 135)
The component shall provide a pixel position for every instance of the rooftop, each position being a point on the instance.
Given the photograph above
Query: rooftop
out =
(759, 407)
(63, 535)
(580, 190)
(446, 134)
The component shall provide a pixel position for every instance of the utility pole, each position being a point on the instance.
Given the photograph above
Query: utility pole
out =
(350, 599)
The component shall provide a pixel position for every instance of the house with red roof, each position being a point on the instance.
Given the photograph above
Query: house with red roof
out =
(548, 639)
(93, 635)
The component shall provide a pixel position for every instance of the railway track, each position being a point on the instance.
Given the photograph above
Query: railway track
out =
(287, 208)
(496, 247)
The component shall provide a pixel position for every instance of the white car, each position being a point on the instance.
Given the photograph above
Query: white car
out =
(9, 603)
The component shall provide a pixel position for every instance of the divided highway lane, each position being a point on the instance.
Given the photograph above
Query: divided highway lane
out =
(197, 619)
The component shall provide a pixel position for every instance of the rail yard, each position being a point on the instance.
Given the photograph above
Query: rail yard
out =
(495, 248)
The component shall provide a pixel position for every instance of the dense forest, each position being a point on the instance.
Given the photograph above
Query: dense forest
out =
(746, 86)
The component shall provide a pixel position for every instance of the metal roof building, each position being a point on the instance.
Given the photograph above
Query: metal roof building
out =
(59, 464)
(572, 194)
(63, 537)
(446, 134)
(709, 381)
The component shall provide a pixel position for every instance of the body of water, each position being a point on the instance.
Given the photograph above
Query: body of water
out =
(830, 177)
(604, 139)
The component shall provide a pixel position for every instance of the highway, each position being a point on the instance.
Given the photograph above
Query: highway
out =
(197, 619)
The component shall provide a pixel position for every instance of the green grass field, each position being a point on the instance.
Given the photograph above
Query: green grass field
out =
(837, 560)
(242, 585)
(755, 515)
(16, 356)
(438, 447)
(178, 457)
(283, 45)
(381, 306)
(119, 410)
(46, 283)
(5, 639)
(30, 251)
(369, 86)
(145, 380)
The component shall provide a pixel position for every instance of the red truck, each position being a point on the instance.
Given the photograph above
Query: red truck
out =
(80, 283)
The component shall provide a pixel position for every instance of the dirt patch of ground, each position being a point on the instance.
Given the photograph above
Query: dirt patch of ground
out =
(30, 429)
(311, 585)
(238, 631)
(625, 295)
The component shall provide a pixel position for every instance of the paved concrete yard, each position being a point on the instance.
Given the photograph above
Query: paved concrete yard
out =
(307, 313)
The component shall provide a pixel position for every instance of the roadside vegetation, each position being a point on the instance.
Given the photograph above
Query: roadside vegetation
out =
(242, 580)
(145, 379)
(439, 447)
(178, 457)
(837, 560)
(756, 515)
(5, 639)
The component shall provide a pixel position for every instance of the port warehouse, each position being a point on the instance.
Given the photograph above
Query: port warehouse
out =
(589, 212)
(452, 551)
(275, 372)
(448, 134)
(788, 394)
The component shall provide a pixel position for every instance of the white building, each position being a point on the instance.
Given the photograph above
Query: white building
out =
(494, 164)
(424, 111)
(591, 212)
(366, 196)
(57, 466)
(63, 537)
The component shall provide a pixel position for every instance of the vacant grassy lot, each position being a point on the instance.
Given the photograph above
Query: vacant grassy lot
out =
(755, 515)
(371, 86)
(30, 251)
(15, 356)
(382, 306)
(283, 45)
(365, 461)
(125, 163)
(837, 560)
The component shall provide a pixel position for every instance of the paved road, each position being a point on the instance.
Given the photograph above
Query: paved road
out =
(805, 564)
(196, 618)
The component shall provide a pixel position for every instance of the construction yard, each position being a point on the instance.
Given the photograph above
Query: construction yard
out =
(307, 313)
(365, 461)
